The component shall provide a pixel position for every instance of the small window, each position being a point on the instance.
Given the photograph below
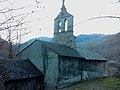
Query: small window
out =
(59, 23)
(60, 30)
(59, 26)
(66, 25)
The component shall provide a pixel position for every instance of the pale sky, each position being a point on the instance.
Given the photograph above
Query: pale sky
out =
(43, 21)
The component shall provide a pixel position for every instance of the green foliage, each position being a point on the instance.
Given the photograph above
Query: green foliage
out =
(117, 73)
(110, 83)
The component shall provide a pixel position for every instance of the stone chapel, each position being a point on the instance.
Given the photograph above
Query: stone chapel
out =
(61, 61)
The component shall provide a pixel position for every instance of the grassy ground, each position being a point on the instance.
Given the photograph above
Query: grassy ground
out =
(110, 83)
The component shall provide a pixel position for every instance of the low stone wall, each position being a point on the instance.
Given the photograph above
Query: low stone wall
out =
(86, 76)
(65, 83)
(92, 75)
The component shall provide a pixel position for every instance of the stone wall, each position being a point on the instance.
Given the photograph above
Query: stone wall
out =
(72, 70)
(65, 38)
(94, 69)
(69, 71)
(51, 75)
(68, 67)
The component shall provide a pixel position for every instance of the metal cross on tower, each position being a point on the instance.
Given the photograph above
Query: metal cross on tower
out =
(63, 2)
(63, 5)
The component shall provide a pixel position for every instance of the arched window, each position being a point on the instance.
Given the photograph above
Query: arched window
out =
(66, 24)
(59, 26)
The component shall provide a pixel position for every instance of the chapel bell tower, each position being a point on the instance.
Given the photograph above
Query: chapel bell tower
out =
(63, 28)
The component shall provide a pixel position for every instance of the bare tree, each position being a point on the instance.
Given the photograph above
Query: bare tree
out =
(12, 24)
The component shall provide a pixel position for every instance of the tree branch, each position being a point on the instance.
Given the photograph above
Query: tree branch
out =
(111, 17)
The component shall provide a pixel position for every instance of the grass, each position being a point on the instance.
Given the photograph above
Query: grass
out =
(110, 83)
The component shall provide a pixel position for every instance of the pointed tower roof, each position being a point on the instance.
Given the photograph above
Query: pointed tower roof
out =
(63, 12)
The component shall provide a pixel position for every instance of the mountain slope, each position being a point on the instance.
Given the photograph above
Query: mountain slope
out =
(86, 37)
(109, 46)
(79, 38)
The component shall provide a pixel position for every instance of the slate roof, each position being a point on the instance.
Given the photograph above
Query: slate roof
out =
(90, 55)
(67, 51)
(16, 70)
(60, 49)
(63, 14)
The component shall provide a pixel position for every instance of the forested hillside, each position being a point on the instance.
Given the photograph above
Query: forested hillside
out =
(109, 46)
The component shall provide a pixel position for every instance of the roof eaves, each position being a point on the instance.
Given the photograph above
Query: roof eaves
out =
(105, 60)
